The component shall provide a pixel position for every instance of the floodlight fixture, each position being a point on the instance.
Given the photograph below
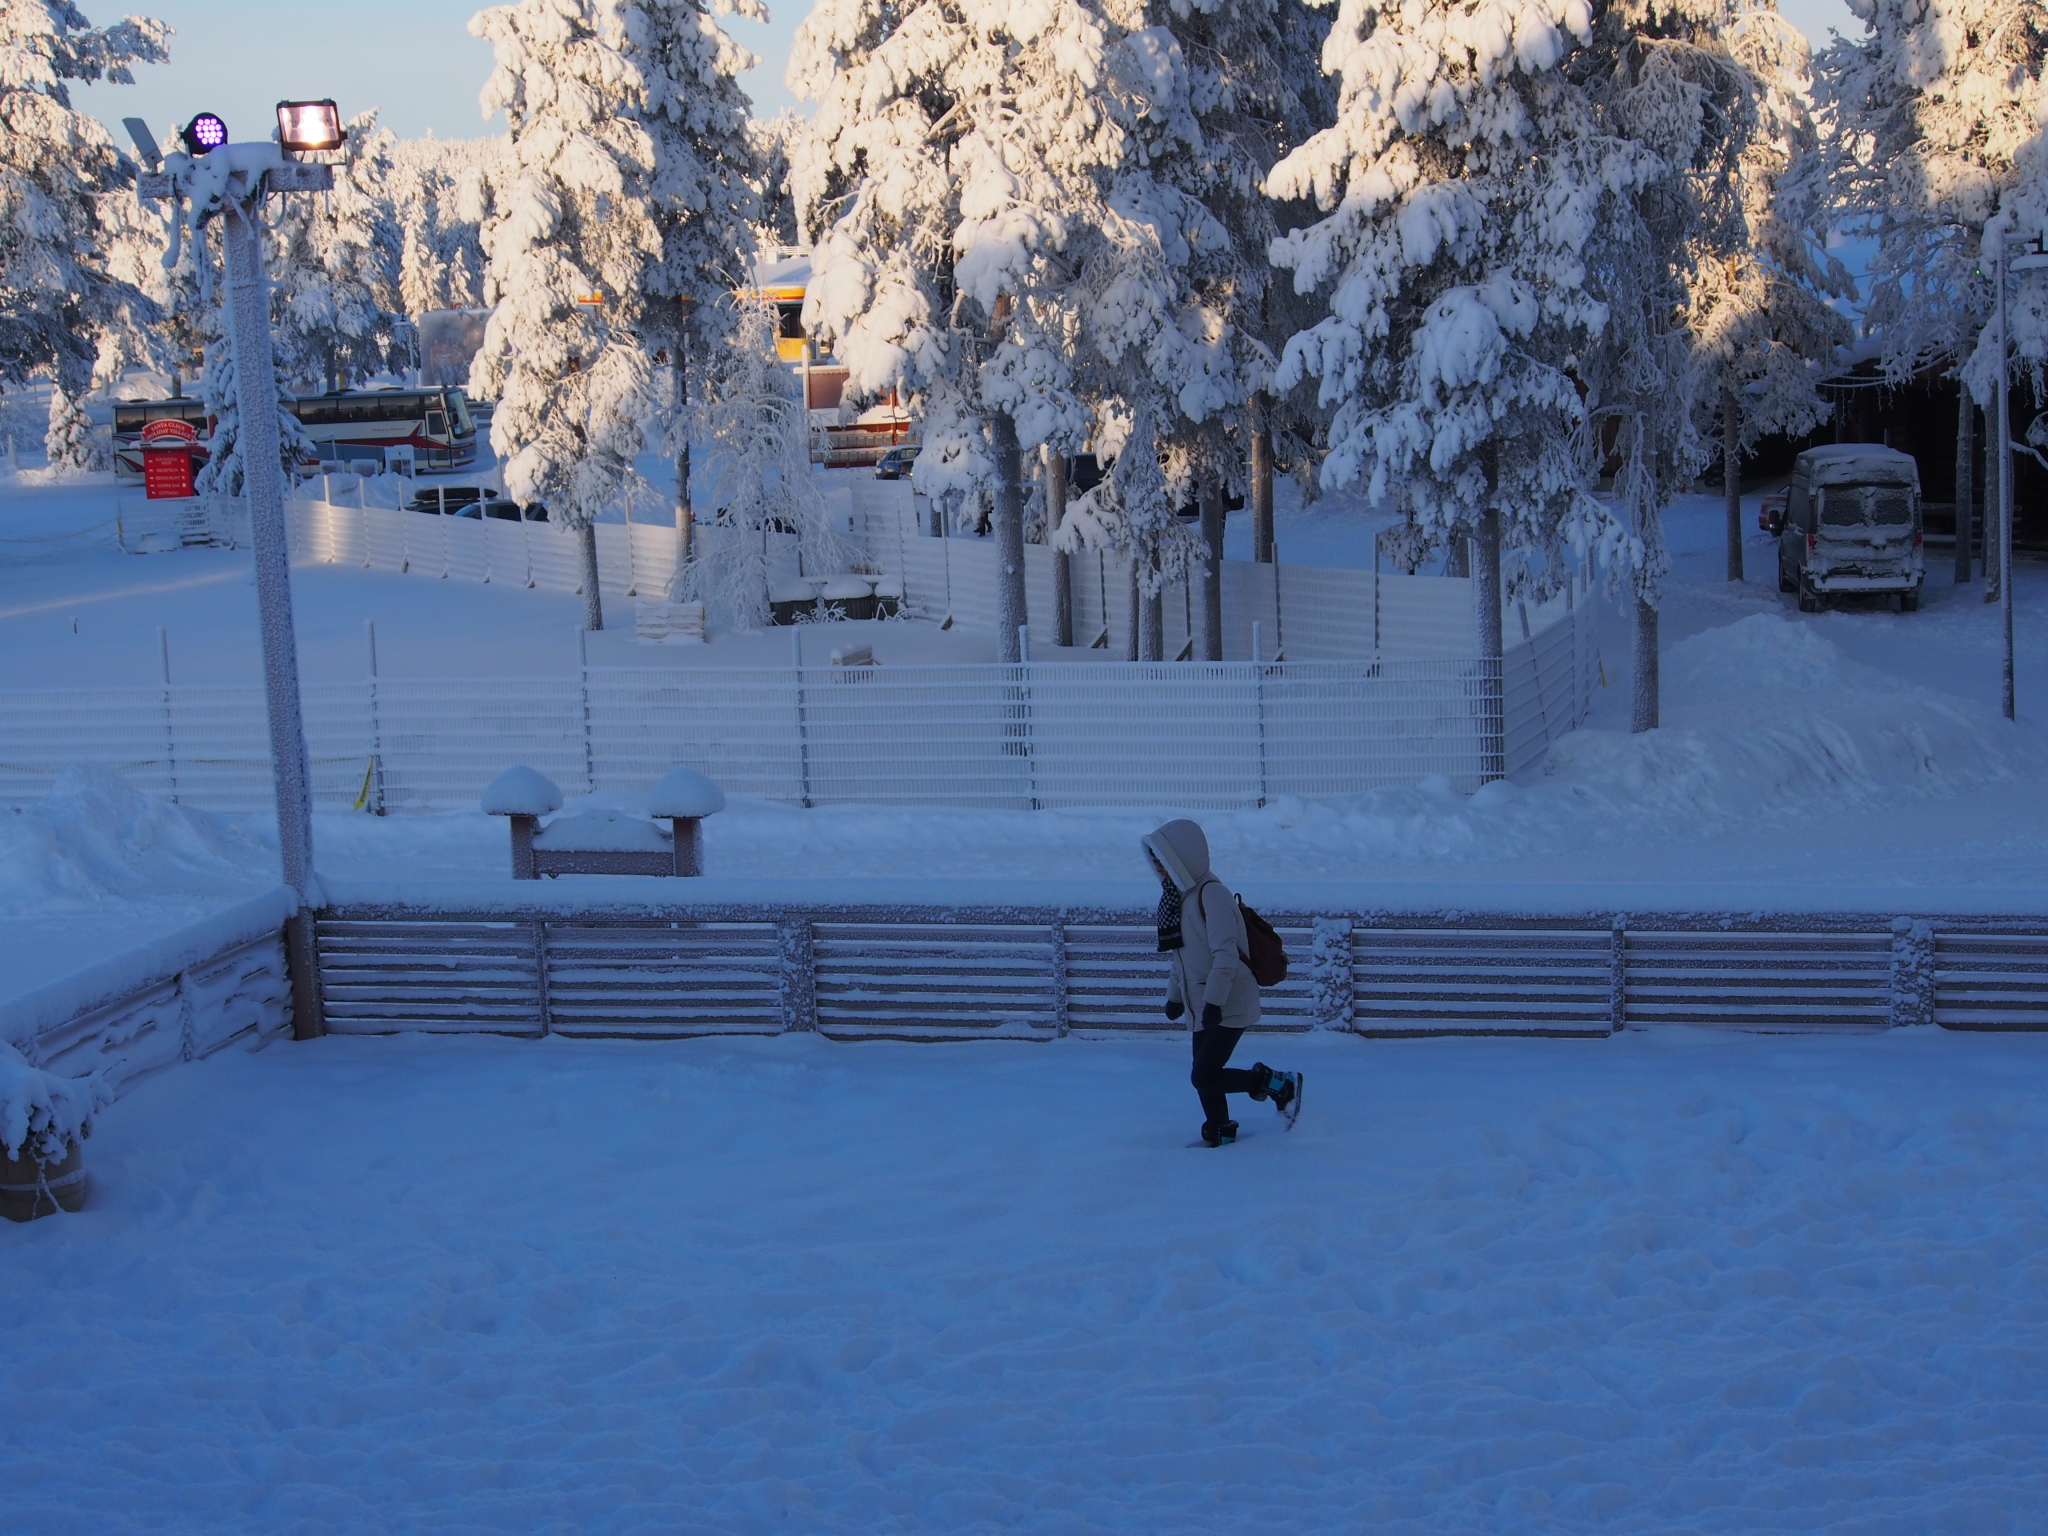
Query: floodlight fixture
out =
(205, 132)
(310, 125)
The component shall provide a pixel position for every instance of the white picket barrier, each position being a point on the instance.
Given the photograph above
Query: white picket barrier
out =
(1379, 687)
(1197, 734)
(1304, 613)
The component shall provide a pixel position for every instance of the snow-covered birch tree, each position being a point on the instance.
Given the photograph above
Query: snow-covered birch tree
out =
(956, 150)
(760, 443)
(607, 198)
(1670, 90)
(66, 197)
(1760, 311)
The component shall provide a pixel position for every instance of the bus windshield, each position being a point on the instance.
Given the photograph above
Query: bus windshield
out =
(458, 412)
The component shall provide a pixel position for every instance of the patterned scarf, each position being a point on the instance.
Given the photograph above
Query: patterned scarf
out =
(1169, 916)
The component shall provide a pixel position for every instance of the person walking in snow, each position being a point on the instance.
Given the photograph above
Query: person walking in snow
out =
(1202, 931)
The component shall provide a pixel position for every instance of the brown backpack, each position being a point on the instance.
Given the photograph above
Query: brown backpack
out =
(1268, 958)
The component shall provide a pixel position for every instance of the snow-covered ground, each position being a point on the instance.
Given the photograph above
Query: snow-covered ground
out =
(1666, 1283)
(1857, 752)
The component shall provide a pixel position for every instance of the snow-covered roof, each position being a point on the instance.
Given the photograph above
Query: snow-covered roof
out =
(1844, 463)
(784, 269)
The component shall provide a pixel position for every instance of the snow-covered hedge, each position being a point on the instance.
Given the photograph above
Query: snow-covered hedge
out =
(42, 1114)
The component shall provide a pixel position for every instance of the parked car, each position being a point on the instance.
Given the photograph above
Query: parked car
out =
(475, 502)
(896, 463)
(1770, 512)
(448, 500)
(1852, 524)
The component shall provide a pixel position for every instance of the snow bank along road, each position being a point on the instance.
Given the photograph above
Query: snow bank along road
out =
(1662, 1284)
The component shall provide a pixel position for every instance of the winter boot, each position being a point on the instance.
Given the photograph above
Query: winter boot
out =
(1219, 1133)
(1285, 1091)
(1265, 1075)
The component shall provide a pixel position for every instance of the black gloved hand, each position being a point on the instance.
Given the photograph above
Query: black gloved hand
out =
(1212, 1015)
(1173, 1008)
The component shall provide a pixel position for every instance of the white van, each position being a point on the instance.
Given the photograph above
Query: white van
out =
(1852, 524)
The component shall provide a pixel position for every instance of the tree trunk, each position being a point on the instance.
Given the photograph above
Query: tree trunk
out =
(1062, 562)
(1643, 704)
(1214, 511)
(1152, 629)
(1731, 478)
(593, 606)
(1486, 622)
(1457, 559)
(686, 520)
(1134, 636)
(1992, 505)
(1262, 484)
(1966, 476)
(1009, 531)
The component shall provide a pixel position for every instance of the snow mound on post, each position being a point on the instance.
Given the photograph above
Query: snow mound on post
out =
(685, 792)
(43, 1115)
(95, 841)
(521, 791)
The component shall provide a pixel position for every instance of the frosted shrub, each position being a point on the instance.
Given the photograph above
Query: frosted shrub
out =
(761, 462)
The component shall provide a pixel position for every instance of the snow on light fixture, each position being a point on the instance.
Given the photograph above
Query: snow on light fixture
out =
(309, 125)
(204, 132)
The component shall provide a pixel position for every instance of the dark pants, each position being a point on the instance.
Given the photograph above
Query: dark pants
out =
(1213, 1078)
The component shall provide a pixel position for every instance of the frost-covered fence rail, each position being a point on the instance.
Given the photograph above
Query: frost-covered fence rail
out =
(1302, 613)
(179, 998)
(657, 970)
(1219, 735)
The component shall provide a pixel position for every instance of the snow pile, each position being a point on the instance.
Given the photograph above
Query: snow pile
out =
(1767, 718)
(93, 843)
(41, 1114)
(1664, 1283)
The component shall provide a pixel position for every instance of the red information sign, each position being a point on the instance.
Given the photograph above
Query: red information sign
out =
(167, 459)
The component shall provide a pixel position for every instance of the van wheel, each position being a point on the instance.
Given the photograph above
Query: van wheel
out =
(1809, 600)
(1909, 600)
(1784, 581)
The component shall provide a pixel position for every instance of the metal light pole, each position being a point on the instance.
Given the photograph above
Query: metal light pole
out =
(2032, 261)
(231, 181)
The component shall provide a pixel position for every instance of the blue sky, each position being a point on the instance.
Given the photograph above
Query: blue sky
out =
(412, 59)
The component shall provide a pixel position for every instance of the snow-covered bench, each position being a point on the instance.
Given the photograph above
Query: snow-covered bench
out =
(603, 841)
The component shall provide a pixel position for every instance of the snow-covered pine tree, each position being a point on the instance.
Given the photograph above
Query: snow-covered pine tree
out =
(221, 474)
(1209, 96)
(1933, 115)
(707, 169)
(1464, 186)
(956, 149)
(629, 145)
(334, 268)
(1668, 90)
(61, 202)
(1761, 313)
(760, 444)
(68, 442)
